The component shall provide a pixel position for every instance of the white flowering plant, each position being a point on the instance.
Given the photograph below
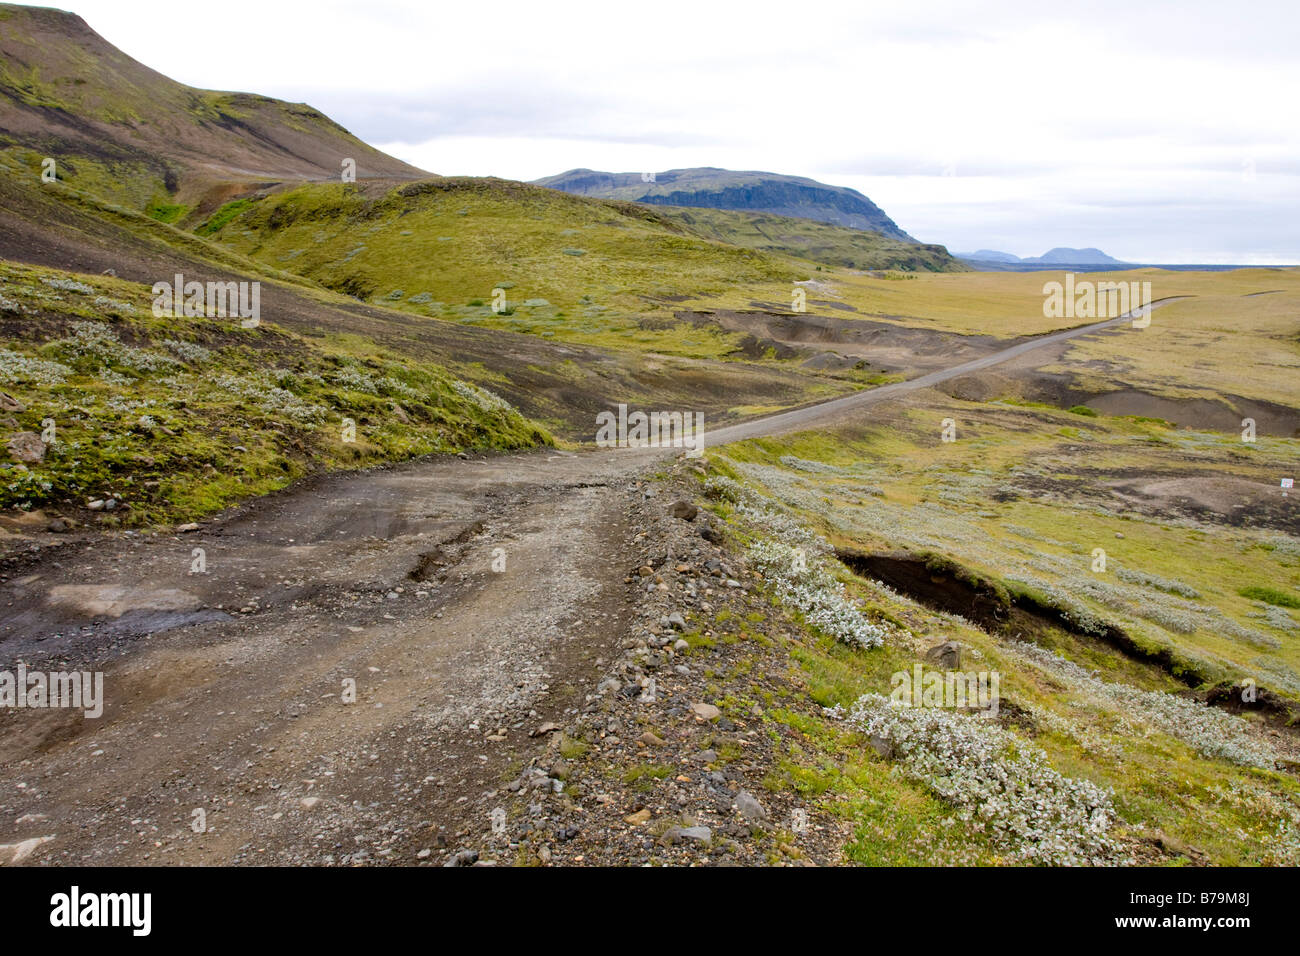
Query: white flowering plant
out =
(999, 784)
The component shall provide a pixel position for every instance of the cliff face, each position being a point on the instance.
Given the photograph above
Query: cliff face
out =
(840, 207)
(711, 188)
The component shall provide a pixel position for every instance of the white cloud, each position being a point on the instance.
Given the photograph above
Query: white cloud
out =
(1114, 125)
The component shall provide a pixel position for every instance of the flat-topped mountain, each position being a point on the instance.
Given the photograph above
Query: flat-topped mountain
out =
(712, 188)
(1059, 256)
(1063, 255)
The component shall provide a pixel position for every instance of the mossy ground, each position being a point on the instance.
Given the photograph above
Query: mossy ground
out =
(576, 270)
(1019, 493)
(180, 417)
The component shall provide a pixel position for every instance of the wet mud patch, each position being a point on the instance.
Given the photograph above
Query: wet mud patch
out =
(434, 564)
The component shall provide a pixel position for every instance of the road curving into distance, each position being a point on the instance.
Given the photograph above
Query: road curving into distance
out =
(812, 415)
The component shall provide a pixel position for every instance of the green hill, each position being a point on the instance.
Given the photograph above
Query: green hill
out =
(124, 131)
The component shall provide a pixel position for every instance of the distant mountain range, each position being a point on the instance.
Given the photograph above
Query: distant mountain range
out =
(708, 187)
(991, 259)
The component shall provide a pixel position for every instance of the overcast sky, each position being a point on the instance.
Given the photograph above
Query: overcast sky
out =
(1158, 132)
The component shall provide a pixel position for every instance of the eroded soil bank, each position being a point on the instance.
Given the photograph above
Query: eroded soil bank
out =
(944, 585)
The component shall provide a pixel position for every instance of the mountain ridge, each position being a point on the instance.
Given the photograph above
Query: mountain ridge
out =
(711, 187)
(1058, 255)
(114, 125)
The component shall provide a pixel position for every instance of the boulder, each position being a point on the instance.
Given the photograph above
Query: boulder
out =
(946, 655)
(684, 510)
(749, 808)
(26, 446)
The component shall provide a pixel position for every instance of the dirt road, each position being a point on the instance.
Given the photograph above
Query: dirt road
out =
(825, 413)
(464, 602)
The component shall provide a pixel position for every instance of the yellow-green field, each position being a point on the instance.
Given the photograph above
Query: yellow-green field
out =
(1002, 304)
(1022, 500)
(1221, 341)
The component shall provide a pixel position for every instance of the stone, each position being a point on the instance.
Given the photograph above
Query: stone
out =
(188, 526)
(677, 621)
(309, 802)
(684, 510)
(638, 818)
(680, 645)
(706, 711)
(682, 834)
(26, 446)
(651, 740)
(11, 404)
(12, 853)
(946, 655)
(607, 685)
(750, 808)
(462, 858)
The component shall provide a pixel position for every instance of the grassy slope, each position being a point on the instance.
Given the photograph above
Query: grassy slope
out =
(563, 387)
(885, 490)
(179, 417)
(129, 134)
(580, 270)
(575, 267)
